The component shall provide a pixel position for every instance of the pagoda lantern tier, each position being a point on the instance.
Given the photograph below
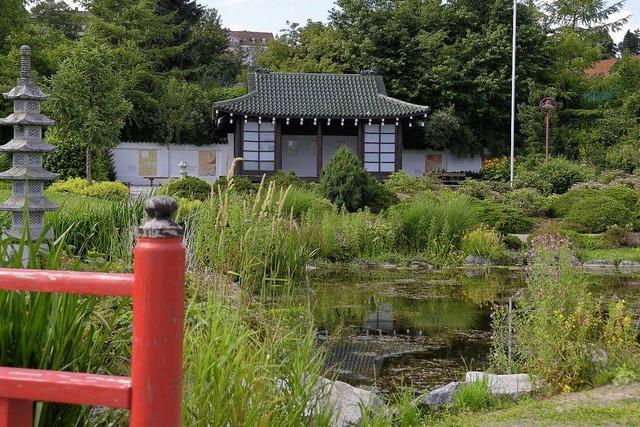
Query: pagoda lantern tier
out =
(27, 174)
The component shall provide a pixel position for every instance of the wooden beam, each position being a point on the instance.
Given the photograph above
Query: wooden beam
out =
(278, 146)
(360, 143)
(239, 145)
(319, 150)
(399, 147)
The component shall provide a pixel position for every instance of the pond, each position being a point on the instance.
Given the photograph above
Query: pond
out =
(421, 329)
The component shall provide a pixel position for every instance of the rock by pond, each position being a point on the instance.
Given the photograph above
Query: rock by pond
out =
(346, 402)
(512, 385)
(599, 263)
(440, 396)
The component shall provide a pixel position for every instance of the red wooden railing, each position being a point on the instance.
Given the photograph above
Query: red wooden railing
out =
(153, 393)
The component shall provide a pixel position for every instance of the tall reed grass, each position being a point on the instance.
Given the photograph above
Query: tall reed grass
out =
(98, 227)
(249, 365)
(251, 238)
(51, 331)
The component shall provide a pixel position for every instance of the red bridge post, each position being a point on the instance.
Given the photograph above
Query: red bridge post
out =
(158, 319)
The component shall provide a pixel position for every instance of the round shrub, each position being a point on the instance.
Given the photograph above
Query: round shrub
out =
(300, 202)
(284, 180)
(557, 175)
(505, 219)
(346, 183)
(189, 188)
(241, 184)
(483, 242)
(383, 199)
(597, 213)
(529, 200)
(481, 189)
(497, 169)
(401, 183)
(99, 189)
(624, 157)
(512, 242)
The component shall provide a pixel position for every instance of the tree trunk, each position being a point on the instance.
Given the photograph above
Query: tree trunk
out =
(88, 165)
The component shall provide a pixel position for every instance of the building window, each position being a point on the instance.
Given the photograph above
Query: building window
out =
(380, 148)
(259, 151)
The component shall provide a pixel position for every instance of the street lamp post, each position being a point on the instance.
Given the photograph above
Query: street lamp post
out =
(547, 105)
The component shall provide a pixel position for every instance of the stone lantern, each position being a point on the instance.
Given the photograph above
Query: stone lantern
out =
(27, 175)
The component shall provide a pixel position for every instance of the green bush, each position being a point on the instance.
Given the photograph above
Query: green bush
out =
(300, 201)
(529, 200)
(483, 242)
(482, 189)
(557, 175)
(624, 157)
(434, 225)
(241, 184)
(285, 180)
(401, 183)
(383, 199)
(505, 219)
(107, 190)
(512, 242)
(189, 187)
(497, 169)
(346, 183)
(597, 213)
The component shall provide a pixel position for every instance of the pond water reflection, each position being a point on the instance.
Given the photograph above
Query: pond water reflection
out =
(421, 328)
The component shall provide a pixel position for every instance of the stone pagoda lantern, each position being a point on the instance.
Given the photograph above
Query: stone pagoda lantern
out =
(27, 174)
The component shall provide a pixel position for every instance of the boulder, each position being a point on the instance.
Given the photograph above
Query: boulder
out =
(629, 264)
(346, 401)
(512, 385)
(599, 263)
(475, 260)
(573, 260)
(439, 396)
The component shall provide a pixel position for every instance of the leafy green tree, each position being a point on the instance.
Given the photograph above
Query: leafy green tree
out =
(58, 15)
(87, 101)
(12, 19)
(442, 54)
(586, 14)
(346, 183)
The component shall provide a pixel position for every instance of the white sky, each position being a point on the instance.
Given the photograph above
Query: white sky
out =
(272, 15)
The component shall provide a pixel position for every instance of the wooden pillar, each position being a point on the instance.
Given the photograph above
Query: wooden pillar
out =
(238, 142)
(399, 147)
(16, 413)
(319, 149)
(360, 144)
(278, 146)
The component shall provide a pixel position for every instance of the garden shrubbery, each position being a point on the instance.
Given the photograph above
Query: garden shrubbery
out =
(108, 190)
(433, 225)
(560, 334)
(555, 176)
(504, 219)
(483, 242)
(346, 183)
(188, 187)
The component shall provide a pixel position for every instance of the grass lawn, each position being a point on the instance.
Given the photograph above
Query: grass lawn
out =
(609, 405)
(615, 255)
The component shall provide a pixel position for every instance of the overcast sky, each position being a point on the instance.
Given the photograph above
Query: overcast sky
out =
(272, 15)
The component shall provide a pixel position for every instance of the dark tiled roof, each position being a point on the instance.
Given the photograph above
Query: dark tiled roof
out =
(318, 95)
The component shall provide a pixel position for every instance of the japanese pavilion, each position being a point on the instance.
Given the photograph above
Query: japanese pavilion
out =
(297, 121)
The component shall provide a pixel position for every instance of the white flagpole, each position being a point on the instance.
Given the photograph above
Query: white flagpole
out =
(513, 93)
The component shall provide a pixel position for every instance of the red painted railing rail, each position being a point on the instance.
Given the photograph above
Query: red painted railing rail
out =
(154, 391)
